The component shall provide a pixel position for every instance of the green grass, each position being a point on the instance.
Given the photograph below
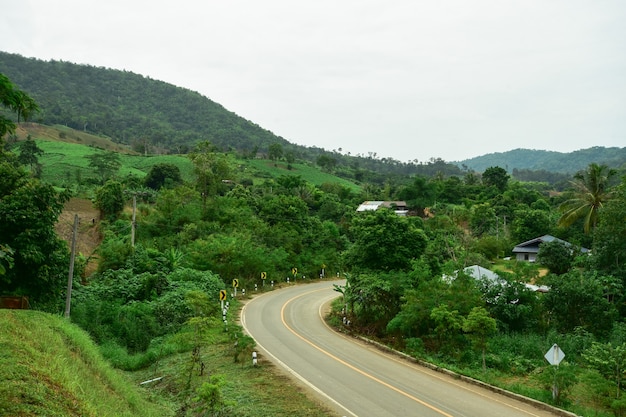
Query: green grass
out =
(49, 367)
(307, 172)
(64, 160)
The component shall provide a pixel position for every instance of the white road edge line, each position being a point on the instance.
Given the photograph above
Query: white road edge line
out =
(290, 370)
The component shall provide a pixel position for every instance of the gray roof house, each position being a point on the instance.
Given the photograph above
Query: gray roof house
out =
(478, 272)
(527, 251)
(398, 206)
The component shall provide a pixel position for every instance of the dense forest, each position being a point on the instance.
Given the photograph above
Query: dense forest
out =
(407, 280)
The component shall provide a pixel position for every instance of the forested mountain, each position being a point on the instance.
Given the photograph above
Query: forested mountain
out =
(130, 108)
(550, 161)
(156, 117)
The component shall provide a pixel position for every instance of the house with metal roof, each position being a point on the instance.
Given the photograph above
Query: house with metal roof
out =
(527, 251)
(478, 272)
(398, 206)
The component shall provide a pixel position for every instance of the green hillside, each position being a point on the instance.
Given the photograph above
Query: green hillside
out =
(49, 367)
(130, 108)
(66, 151)
(549, 161)
(149, 116)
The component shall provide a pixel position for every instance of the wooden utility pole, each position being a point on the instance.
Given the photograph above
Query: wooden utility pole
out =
(132, 229)
(70, 277)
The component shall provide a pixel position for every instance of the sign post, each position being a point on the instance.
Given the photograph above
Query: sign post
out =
(222, 298)
(235, 285)
(263, 277)
(554, 356)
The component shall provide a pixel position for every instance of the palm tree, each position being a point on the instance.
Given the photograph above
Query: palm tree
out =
(591, 191)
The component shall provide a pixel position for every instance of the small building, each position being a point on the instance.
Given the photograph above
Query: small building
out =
(478, 272)
(398, 206)
(527, 251)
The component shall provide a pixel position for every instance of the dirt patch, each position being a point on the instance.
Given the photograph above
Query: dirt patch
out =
(88, 237)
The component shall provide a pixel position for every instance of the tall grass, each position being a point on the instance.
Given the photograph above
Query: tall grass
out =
(51, 367)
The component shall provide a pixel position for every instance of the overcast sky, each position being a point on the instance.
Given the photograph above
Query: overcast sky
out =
(407, 79)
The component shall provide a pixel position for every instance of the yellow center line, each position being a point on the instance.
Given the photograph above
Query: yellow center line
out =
(341, 361)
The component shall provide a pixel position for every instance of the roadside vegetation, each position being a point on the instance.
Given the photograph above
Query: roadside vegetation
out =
(174, 230)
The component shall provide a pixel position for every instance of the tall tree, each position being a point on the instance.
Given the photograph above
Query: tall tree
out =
(28, 155)
(275, 151)
(163, 174)
(591, 189)
(105, 164)
(17, 102)
(480, 325)
(384, 241)
(496, 177)
(210, 169)
(37, 259)
(609, 238)
(110, 199)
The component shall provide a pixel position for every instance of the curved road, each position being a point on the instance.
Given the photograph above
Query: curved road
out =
(356, 379)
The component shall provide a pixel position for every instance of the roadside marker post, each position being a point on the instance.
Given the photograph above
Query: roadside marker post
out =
(554, 356)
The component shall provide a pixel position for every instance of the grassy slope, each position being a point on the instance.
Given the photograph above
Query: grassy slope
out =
(65, 152)
(51, 367)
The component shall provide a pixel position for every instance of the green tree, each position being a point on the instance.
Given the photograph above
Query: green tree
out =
(29, 151)
(275, 151)
(483, 219)
(557, 256)
(496, 177)
(609, 360)
(163, 174)
(327, 162)
(515, 307)
(210, 168)
(29, 210)
(480, 326)
(609, 238)
(110, 199)
(419, 194)
(448, 325)
(16, 101)
(6, 259)
(579, 299)
(591, 189)
(529, 224)
(105, 164)
(384, 241)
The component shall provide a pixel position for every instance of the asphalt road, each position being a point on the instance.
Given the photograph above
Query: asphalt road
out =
(354, 378)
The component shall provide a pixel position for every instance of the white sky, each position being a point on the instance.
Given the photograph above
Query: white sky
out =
(407, 79)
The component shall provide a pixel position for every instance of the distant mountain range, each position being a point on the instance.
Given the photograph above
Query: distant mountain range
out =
(152, 116)
(537, 160)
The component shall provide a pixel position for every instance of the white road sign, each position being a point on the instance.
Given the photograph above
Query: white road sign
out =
(555, 355)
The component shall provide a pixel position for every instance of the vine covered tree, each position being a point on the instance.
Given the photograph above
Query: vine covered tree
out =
(110, 199)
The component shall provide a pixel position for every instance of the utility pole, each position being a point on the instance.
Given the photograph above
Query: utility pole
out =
(70, 277)
(132, 229)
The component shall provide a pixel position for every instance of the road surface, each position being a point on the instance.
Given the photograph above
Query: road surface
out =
(354, 378)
